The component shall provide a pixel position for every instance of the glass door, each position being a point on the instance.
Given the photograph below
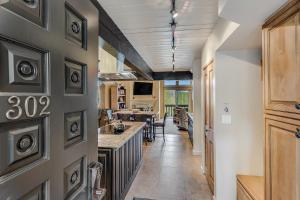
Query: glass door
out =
(182, 98)
(170, 101)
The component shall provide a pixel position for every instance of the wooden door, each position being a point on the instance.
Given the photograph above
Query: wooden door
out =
(208, 74)
(282, 158)
(282, 62)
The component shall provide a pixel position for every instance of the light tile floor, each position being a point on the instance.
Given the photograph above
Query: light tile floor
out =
(169, 171)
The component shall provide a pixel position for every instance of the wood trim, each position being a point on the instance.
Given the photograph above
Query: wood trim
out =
(252, 185)
(207, 65)
(284, 12)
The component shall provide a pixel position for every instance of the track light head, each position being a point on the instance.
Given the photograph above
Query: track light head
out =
(174, 14)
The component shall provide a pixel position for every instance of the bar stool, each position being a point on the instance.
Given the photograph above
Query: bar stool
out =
(147, 130)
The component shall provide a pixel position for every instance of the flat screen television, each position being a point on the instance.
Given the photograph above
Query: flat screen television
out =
(142, 88)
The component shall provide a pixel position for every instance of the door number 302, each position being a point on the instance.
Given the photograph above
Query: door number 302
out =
(30, 107)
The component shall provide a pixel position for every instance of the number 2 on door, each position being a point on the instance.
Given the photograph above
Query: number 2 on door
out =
(30, 107)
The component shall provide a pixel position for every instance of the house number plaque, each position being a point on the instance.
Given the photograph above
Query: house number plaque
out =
(29, 106)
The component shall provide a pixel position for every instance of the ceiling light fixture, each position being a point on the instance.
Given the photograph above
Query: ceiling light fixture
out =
(173, 24)
(174, 13)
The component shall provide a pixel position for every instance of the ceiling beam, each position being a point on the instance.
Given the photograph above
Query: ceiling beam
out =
(110, 32)
(181, 75)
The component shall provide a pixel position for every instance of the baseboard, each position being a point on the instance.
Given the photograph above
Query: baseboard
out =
(196, 152)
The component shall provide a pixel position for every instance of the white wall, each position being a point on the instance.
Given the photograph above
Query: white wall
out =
(221, 32)
(237, 82)
(197, 128)
(239, 145)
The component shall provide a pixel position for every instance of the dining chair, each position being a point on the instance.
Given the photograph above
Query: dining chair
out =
(160, 124)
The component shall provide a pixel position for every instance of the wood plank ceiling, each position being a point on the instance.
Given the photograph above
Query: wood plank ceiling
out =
(145, 23)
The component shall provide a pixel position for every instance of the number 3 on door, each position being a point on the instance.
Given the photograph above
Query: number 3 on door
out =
(30, 107)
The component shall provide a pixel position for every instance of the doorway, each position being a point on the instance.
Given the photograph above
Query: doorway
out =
(177, 94)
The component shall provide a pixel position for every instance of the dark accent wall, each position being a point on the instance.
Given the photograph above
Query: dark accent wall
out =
(110, 32)
(183, 75)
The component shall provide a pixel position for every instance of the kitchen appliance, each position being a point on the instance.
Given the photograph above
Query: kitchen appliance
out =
(119, 73)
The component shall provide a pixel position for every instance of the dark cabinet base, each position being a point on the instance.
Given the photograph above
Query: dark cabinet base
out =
(120, 167)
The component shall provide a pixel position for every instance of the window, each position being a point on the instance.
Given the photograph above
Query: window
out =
(170, 97)
(182, 98)
(184, 83)
(170, 83)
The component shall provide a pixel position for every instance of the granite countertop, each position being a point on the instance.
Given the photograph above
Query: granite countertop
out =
(128, 112)
(117, 141)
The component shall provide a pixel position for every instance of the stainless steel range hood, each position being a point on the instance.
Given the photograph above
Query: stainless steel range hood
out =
(121, 74)
(111, 65)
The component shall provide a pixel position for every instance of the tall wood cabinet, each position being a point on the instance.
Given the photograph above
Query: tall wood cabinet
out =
(281, 59)
(118, 97)
(208, 77)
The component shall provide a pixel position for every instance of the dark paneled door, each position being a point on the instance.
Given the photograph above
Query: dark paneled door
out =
(48, 127)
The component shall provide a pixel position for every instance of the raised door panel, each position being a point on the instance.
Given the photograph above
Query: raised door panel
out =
(282, 160)
(210, 87)
(206, 100)
(281, 65)
(209, 160)
(212, 160)
(207, 153)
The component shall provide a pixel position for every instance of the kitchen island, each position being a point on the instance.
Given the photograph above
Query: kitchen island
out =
(121, 156)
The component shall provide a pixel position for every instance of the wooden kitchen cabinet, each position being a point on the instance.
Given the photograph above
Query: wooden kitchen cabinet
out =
(250, 187)
(208, 77)
(281, 62)
(281, 56)
(282, 158)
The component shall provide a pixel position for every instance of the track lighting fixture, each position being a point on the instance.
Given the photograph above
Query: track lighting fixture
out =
(174, 13)
(173, 26)
(173, 29)
(173, 49)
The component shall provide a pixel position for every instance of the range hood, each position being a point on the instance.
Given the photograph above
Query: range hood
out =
(111, 65)
(121, 74)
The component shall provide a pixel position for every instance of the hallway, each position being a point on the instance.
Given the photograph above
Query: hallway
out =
(169, 171)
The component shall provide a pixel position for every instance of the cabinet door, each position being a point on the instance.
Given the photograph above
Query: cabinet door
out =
(282, 160)
(281, 65)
